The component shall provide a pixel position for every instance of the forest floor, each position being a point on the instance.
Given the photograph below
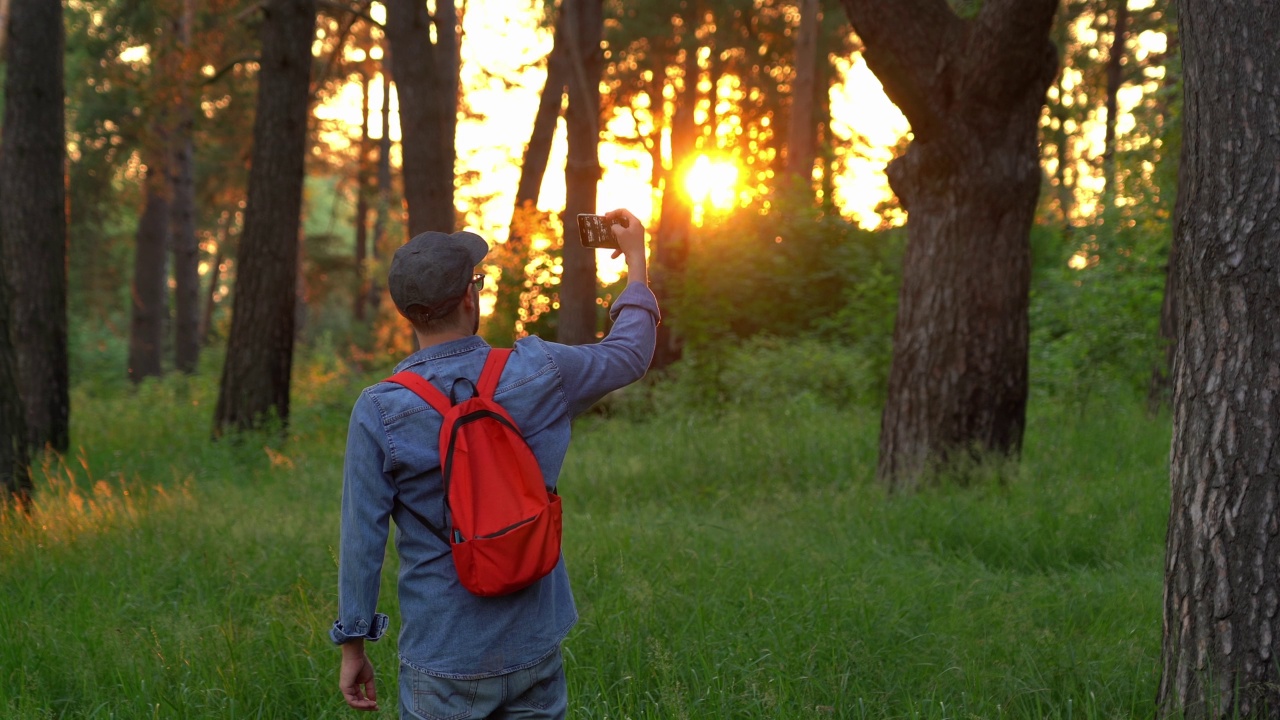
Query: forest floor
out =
(740, 564)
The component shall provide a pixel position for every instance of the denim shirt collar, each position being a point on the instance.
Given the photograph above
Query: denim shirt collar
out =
(443, 350)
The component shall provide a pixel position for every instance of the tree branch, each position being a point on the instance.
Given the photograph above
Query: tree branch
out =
(910, 45)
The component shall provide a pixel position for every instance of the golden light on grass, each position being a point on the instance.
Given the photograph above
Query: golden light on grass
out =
(67, 507)
(712, 183)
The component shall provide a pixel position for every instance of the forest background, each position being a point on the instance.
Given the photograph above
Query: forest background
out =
(1031, 590)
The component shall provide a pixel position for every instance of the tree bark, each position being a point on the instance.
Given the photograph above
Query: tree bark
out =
(972, 91)
(801, 135)
(149, 293)
(515, 254)
(256, 375)
(671, 242)
(15, 473)
(1222, 564)
(426, 76)
(186, 248)
(578, 316)
(33, 224)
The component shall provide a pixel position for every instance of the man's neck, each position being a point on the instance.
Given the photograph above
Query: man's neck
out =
(428, 340)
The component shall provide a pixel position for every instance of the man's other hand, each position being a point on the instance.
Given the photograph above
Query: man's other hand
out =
(356, 678)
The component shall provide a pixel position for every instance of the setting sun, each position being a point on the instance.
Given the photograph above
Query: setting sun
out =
(712, 182)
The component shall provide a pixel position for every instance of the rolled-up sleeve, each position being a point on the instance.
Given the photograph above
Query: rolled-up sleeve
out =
(590, 372)
(368, 495)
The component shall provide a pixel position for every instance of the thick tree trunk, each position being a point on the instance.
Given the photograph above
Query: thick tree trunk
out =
(186, 248)
(15, 474)
(671, 242)
(515, 254)
(972, 90)
(149, 294)
(256, 375)
(1222, 563)
(801, 135)
(577, 319)
(33, 223)
(426, 75)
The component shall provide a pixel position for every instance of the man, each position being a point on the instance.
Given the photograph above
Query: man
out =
(461, 655)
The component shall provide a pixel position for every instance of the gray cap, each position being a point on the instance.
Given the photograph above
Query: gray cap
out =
(433, 269)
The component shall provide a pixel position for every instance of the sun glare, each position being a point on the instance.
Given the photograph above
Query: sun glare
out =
(712, 182)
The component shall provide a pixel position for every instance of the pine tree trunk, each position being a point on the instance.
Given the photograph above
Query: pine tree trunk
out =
(1222, 562)
(186, 251)
(186, 248)
(670, 247)
(215, 275)
(362, 202)
(33, 224)
(426, 75)
(515, 254)
(972, 90)
(256, 375)
(578, 316)
(149, 293)
(382, 212)
(801, 146)
(1115, 77)
(15, 475)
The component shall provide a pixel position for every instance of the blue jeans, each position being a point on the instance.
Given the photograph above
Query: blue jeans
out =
(534, 693)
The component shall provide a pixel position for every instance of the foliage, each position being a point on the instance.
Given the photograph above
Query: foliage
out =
(1095, 331)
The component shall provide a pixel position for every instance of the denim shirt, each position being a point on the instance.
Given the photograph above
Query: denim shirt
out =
(392, 460)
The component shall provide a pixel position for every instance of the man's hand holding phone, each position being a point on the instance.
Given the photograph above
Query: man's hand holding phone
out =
(625, 230)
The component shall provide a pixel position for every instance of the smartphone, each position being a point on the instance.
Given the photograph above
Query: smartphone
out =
(595, 232)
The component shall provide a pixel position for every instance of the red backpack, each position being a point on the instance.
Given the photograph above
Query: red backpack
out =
(503, 524)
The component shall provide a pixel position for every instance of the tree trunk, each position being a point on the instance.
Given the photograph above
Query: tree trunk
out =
(801, 136)
(15, 473)
(426, 75)
(383, 210)
(255, 377)
(1115, 78)
(149, 292)
(1222, 567)
(578, 316)
(671, 242)
(515, 254)
(362, 201)
(972, 90)
(33, 223)
(215, 274)
(186, 248)
(186, 251)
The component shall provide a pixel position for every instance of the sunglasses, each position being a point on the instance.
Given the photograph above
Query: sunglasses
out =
(478, 281)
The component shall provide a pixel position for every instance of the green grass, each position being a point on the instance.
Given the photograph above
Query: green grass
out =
(742, 565)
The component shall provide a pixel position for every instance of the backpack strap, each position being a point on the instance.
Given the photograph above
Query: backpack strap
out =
(436, 399)
(422, 389)
(492, 371)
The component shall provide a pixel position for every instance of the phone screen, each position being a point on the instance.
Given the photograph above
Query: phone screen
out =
(595, 232)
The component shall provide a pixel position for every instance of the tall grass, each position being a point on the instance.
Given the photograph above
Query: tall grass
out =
(736, 564)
